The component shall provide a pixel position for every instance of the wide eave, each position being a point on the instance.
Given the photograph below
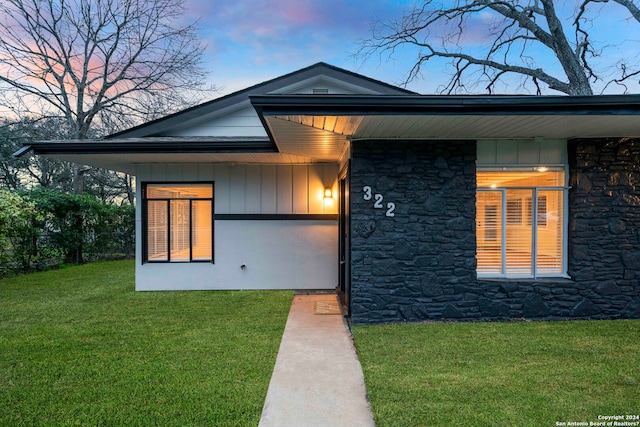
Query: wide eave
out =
(318, 128)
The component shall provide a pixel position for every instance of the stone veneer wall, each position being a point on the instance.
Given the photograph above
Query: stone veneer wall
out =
(409, 266)
(420, 263)
(604, 227)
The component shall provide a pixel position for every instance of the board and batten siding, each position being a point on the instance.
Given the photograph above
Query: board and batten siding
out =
(288, 253)
(524, 152)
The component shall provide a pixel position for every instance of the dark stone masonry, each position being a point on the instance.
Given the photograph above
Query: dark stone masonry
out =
(413, 237)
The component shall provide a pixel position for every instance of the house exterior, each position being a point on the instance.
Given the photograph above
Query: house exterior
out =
(413, 207)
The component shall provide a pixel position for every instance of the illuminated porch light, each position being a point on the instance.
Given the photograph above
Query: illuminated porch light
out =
(328, 193)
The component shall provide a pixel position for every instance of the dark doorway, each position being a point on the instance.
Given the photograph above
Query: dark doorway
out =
(344, 230)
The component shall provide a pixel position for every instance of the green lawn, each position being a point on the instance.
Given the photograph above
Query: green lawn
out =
(79, 347)
(501, 374)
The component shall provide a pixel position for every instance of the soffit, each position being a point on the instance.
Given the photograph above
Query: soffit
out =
(452, 127)
(128, 163)
(318, 119)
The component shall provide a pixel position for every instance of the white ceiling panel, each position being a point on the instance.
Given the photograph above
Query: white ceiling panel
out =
(323, 138)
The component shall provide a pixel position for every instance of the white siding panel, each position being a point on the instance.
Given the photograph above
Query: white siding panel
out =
(332, 86)
(221, 178)
(174, 172)
(487, 152)
(244, 122)
(507, 153)
(269, 189)
(529, 152)
(253, 190)
(205, 172)
(237, 189)
(285, 190)
(553, 152)
(143, 171)
(300, 189)
(189, 172)
(256, 189)
(159, 172)
(317, 184)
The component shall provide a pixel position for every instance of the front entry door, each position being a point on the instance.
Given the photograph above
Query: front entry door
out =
(344, 229)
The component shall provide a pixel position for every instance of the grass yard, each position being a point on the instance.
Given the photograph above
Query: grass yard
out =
(501, 374)
(79, 347)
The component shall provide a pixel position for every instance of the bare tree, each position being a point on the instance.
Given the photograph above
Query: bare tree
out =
(24, 172)
(96, 63)
(518, 36)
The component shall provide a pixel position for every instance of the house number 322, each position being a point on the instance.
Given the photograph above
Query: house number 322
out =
(377, 201)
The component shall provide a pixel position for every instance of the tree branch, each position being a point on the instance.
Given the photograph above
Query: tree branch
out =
(515, 33)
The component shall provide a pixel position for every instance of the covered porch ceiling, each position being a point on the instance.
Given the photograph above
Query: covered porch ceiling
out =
(320, 126)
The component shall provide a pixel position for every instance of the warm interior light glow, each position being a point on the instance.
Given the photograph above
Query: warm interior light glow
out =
(520, 226)
(328, 193)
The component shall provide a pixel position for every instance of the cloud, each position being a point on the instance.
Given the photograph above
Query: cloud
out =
(296, 27)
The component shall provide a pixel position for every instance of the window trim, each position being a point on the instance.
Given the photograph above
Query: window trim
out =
(145, 225)
(534, 221)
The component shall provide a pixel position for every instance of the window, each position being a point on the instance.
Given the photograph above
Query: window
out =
(520, 226)
(178, 222)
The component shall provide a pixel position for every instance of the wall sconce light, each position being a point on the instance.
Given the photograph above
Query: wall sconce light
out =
(328, 193)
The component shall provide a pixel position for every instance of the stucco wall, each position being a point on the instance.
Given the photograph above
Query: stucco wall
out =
(420, 264)
(277, 255)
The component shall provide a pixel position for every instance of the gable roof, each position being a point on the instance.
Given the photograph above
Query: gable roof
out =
(286, 121)
(290, 83)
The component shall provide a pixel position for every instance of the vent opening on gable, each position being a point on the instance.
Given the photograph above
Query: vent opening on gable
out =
(320, 91)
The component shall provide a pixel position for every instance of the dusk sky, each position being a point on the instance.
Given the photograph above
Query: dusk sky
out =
(251, 41)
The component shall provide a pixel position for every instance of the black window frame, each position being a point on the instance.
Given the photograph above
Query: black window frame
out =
(145, 219)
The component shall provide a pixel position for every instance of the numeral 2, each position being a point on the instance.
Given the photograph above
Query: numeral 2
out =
(378, 202)
(390, 208)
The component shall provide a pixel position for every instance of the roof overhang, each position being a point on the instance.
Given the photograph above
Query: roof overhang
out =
(450, 117)
(318, 128)
(122, 154)
(447, 104)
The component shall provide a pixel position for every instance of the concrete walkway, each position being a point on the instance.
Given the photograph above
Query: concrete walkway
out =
(317, 379)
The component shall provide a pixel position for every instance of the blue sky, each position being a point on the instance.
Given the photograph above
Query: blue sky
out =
(251, 41)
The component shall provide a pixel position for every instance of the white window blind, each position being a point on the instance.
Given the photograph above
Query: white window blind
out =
(550, 217)
(489, 232)
(519, 236)
(157, 228)
(520, 223)
(201, 230)
(179, 222)
(180, 227)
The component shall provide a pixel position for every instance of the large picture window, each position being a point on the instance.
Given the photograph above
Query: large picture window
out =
(520, 223)
(178, 222)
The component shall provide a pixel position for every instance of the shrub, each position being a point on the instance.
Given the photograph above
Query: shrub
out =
(44, 227)
(20, 225)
